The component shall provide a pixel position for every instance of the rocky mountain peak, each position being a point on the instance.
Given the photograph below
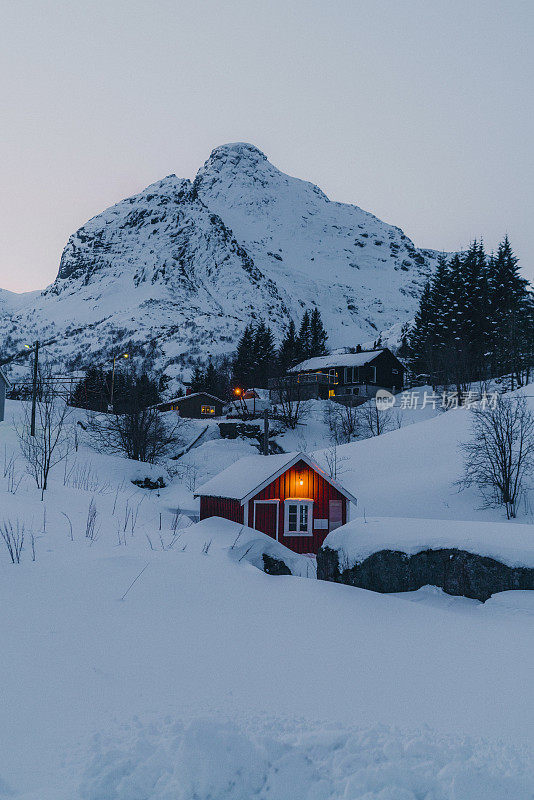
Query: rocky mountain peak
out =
(229, 156)
(187, 265)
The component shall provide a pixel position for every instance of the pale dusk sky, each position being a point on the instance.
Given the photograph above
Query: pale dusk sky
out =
(419, 111)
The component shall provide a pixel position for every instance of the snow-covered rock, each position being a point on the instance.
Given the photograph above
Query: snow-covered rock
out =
(513, 545)
(473, 559)
(176, 271)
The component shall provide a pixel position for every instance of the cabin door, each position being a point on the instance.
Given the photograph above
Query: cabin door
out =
(266, 517)
(335, 514)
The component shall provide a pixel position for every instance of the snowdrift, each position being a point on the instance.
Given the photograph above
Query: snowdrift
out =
(241, 543)
(208, 759)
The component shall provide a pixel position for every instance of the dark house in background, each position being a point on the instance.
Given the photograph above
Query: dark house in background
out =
(198, 405)
(287, 496)
(344, 377)
(4, 386)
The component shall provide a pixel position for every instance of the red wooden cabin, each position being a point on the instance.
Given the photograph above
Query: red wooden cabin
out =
(288, 497)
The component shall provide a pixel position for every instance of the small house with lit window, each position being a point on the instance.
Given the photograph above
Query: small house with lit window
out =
(344, 377)
(288, 496)
(197, 405)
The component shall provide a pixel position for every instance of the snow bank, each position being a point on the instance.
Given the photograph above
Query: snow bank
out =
(246, 544)
(511, 544)
(207, 759)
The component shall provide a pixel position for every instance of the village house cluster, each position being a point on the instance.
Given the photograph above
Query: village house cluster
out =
(342, 377)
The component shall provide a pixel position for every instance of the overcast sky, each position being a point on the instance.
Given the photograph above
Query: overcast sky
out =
(420, 111)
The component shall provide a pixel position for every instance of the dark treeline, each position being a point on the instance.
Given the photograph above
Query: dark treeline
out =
(475, 320)
(93, 391)
(257, 358)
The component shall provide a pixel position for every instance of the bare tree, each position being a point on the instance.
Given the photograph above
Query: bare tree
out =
(291, 407)
(343, 421)
(139, 433)
(51, 443)
(373, 420)
(13, 536)
(91, 532)
(499, 457)
(334, 461)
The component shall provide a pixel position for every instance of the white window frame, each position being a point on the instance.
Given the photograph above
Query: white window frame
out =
(298, 501)
(263, 502)
(374, 373)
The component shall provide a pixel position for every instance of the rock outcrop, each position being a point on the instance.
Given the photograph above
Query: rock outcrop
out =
(455, 571)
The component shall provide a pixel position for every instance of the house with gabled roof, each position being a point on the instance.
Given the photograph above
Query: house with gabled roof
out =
(345, 377)
(196, 405)
(287, 496)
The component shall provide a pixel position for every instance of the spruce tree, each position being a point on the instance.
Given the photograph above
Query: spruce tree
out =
(510, 300)
(421, 337)
(264, 354)
(198, 379)
(244, 362)
(211, 379)
(288, 352)
(475, 319)
(318, 335)
(304, 337)
(92, 392)
(476, 327)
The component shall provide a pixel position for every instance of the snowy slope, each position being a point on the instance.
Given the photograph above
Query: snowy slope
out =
(144, 664)
(412, 471)
(176, 271)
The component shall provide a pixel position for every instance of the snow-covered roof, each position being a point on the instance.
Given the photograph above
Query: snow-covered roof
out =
(248, 476)
(342, 360)
(3, 376)
(188, 397)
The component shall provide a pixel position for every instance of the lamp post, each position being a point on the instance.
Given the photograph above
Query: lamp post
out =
(238, 393)
(124, 355)
(34, 384)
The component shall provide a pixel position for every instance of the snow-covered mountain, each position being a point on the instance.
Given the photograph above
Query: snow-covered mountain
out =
(176, 271)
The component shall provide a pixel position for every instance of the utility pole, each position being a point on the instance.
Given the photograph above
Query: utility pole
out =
(266, 433)
(124, 355)
(110, 407)
(34, 386)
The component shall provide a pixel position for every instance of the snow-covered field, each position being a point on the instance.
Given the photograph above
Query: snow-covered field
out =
(208, 679)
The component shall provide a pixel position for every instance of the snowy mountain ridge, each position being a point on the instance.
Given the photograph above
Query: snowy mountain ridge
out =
(176, 271)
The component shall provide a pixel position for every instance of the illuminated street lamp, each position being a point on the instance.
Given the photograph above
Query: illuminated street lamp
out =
(124, 355)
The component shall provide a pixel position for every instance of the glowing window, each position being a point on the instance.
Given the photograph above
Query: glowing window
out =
(207, 410)
(298, 517)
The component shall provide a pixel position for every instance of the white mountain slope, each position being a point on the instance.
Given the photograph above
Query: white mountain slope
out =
(176, 271)
(363, 273)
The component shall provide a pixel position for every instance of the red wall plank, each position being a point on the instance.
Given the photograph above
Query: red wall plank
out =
(221, 507)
